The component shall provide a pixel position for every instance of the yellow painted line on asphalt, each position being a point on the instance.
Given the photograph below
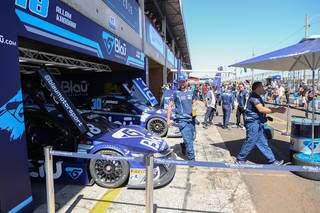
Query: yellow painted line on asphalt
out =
(104, 203)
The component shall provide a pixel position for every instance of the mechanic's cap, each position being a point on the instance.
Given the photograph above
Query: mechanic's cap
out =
(182, 77)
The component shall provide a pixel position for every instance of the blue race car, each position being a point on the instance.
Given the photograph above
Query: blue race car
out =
(60, 125)
(126, 110)
(137, 106)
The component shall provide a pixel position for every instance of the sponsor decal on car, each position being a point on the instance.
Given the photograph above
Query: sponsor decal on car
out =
(73, 172)
(57, 167)
(127, 133)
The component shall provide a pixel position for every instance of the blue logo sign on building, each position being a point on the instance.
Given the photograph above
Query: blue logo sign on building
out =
(128, 10)
(58, 24)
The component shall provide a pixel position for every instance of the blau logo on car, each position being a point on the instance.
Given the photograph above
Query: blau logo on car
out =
(74, 173)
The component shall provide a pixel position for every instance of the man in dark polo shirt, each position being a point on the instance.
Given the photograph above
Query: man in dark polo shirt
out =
(255, 117)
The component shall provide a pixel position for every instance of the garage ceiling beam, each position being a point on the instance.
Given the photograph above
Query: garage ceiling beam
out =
(49, 59)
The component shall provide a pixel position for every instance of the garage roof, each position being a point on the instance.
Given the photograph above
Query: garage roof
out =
(176, 26)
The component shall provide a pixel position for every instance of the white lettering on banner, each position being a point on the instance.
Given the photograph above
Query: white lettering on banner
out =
(120, 48)
(62, 100)
(65, 17)
(9, 42)
(147, 91)
(41, 171)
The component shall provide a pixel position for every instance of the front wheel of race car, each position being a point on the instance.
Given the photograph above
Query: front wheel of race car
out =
(157, 126)
(109, 173)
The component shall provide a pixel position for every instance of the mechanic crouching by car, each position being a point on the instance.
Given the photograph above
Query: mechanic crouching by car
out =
(183, 100)
(255, 117)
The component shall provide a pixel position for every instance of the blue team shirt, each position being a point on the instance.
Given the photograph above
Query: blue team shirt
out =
(251, 113)
(227, 99)
(183, 104)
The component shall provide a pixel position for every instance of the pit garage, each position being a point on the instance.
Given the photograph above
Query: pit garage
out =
(87, 62)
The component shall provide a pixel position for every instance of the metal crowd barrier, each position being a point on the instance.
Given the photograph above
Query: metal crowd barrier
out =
(149, 162)
(293, 107)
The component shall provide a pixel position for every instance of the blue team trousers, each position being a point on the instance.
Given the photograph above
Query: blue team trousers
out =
(187, 130)
(226, 109)
(255, 137)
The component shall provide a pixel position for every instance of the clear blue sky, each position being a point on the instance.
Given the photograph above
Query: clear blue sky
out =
(221, 32)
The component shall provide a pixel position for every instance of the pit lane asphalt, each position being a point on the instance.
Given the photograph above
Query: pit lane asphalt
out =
(274, 191)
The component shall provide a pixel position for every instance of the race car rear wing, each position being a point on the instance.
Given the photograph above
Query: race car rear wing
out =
(61, 100)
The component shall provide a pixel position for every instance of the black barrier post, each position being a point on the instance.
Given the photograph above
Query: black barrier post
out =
(49, 179)
(149, 183)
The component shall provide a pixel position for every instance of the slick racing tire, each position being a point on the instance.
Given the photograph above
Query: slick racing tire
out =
(157, 126)
(109, 173)
(303, 160)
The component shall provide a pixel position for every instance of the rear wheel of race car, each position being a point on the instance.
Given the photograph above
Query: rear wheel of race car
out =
(305, 160)
(158, 126)
(109, 173)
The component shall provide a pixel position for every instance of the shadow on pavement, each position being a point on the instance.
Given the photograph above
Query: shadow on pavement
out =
(280, 149)
(39, 195)
(177, 150)
(155, 206)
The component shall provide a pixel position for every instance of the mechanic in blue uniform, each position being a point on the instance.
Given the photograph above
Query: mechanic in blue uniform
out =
(242, 99)
(183, 100)
(227, 100)
(255, 117)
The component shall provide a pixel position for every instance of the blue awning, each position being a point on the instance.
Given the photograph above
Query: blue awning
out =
(303, 55)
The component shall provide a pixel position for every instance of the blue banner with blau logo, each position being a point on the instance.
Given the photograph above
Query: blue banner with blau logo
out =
(55, 23)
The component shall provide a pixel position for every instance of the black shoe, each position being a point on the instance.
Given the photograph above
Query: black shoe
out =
(183, 148)
(210, 123)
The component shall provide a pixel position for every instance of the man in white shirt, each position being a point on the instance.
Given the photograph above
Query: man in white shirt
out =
(281, 93)
(210, 102)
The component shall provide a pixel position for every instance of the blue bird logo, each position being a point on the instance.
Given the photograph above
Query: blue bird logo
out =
(11, 117)
(108, 41)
